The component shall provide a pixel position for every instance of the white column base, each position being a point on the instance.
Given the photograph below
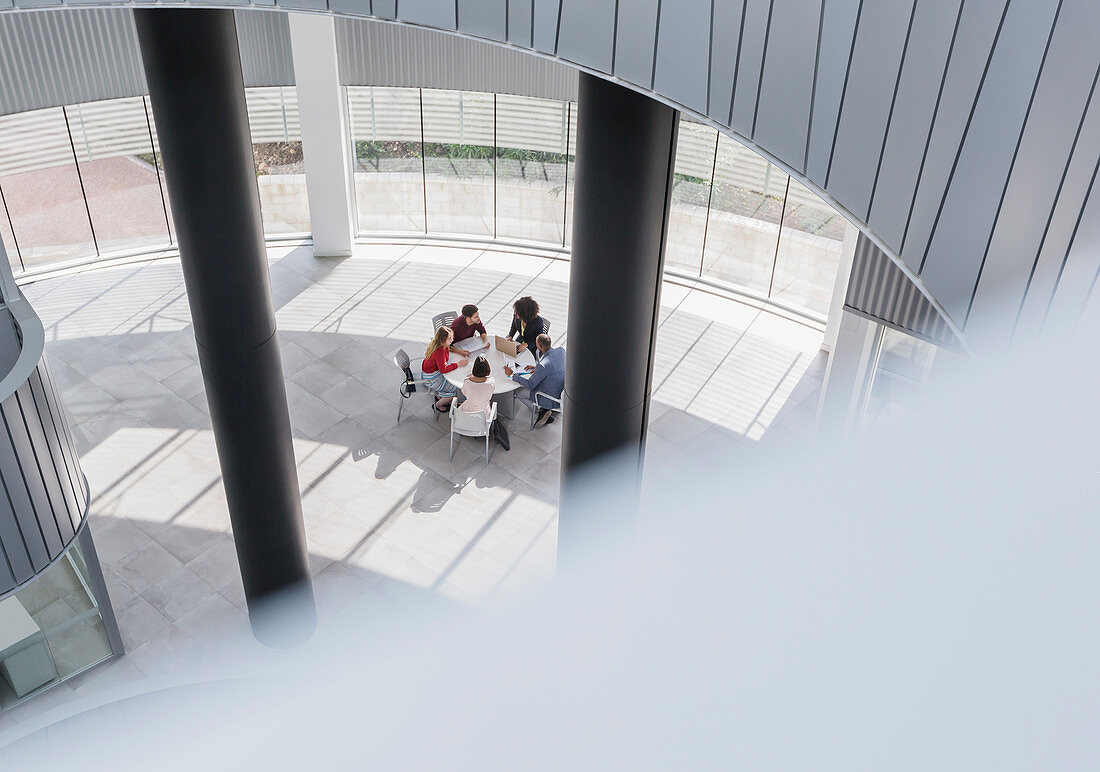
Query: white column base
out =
(326, 144)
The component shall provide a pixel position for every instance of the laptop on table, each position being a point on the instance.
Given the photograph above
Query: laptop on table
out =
(507, 347)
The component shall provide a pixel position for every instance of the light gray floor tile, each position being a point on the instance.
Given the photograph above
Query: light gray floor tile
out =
(169, 651)
(678, 427)
(353, 358)
(467, 452)
(338, 586)
(380, 415)
(310, 418)
(178, 593)
(109, 675)
(349, 434)
(547, 437)
(147, 566)
(118, 538)
(521, 457)
(213, 622)
(414, 436)
(348, 396)
(119, 592)
(294, 356)
(139, 621)
(234, 593)
(187, 543)
(545, 475)
(186, 383)
(217, 566)
(318, 376)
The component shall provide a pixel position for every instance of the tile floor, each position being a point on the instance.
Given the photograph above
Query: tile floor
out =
(389, 517)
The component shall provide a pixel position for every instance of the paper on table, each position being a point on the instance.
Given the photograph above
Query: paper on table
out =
(471, 345)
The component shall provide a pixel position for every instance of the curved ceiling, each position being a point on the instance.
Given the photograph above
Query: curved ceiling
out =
(960, 134)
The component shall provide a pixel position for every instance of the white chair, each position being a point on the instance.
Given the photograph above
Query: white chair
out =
(535, 406)
(401, 359)
(443, 320)
(472, 425)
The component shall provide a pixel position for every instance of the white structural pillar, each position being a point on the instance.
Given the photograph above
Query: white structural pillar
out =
(840, 286)
(849, 374)
(325, 142)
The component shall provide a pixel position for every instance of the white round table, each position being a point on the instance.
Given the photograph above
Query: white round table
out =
(503, 386)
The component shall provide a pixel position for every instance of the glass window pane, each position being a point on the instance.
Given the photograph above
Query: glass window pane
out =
(79, 645)
(389, 181)
(50, 629)
(570, 175)
(8, 237)
(904, 365)
(695, 148)
(745, 209)
(42, 189)
(277, 147)
(531, 153)
(458, 160)
(809, 251)
(160, 165)
(119, 173)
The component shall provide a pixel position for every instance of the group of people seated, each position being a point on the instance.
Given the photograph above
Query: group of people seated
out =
(529, 330)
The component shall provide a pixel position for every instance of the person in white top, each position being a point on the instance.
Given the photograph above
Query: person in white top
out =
(478, 388)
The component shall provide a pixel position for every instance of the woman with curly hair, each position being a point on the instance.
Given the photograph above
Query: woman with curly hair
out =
(527, 325)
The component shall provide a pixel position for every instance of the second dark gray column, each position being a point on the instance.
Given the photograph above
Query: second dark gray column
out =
(626, 145)
(193, 68)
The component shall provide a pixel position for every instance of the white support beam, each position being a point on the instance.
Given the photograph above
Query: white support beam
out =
(326, 146)
(840, 286)
(849, 374)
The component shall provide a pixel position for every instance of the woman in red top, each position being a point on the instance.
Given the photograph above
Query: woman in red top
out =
(435, 364)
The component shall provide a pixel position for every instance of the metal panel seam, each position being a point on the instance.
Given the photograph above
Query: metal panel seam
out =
(962, 141)
(890, 114)
(932, 126)
(1054, 203)
(1012, 166)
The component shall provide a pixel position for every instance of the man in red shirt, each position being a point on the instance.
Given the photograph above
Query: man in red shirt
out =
(466, 326)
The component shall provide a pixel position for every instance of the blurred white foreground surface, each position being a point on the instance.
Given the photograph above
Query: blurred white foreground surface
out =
(920, 599)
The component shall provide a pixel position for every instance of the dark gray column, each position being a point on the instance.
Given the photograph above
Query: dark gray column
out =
(193, 69)
(626, 146)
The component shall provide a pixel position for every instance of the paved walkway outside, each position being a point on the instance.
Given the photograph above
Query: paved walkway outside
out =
(389, 519)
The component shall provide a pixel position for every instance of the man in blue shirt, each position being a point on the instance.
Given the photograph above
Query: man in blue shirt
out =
(548, 377)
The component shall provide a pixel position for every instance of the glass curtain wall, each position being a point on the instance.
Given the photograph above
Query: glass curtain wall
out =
(7, 236)
(50, 630)
(277, 149)
(85, 180)
(122, 187)
(691, 194)
(459, 161)
(42, 189)
(570, 171)
(900, 377)
(451, 162)
(388, 152)
(532, 152)
(808, 256)
(160, 169)
(746, 208)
